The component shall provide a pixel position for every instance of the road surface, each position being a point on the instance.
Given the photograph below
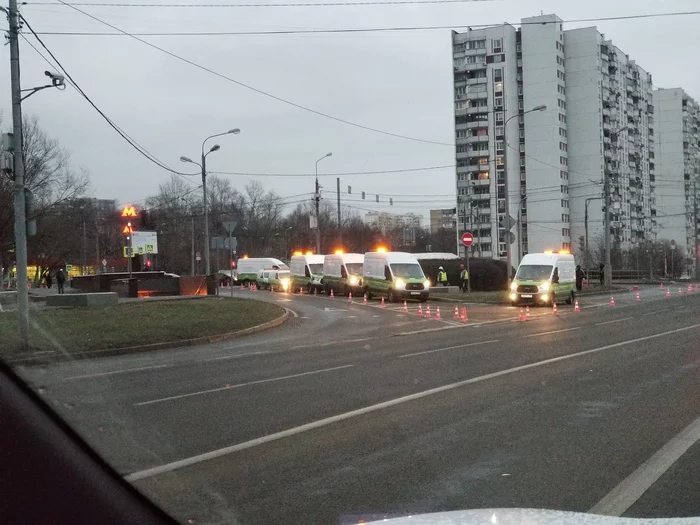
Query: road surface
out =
(353, 411)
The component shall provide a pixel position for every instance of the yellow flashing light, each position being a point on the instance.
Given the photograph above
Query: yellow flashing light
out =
(298, 252)
(245, 256)
(564, 252)
(381, 249)
(339, 252)
(309, 252)
(548, 252)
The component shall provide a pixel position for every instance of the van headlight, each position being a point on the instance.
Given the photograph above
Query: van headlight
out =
(426, 284)
(544, 287)
(285, 284)
(354, 281)
(400, 284)
(513, 286)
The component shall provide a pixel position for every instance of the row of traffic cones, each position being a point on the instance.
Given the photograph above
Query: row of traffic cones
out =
(524, 314)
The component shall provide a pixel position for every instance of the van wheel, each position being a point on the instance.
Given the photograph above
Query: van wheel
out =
(327, 289)
(391, 297)
(369, 294)
(570, 300)
(309, 289)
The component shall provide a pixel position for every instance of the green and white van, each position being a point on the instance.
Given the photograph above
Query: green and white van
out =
(544, 278)
(395, 275)
(274, 280)
(307, 272)
(342, 273)
(248, 269)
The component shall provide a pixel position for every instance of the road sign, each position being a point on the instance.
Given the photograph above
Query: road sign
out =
(230, 225)
(144, 242)
(69, 267)
(507, 223)
(467, 239)
(508, 237)
(104, 262)
(198, 256)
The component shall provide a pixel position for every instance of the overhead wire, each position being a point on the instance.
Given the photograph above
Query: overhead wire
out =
(284, 4)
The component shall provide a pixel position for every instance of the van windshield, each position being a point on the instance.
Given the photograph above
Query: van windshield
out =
(535, 272)
(407, 271)
(354, 268)
(316, 268)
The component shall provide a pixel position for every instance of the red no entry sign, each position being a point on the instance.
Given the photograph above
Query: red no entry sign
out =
(467, 239)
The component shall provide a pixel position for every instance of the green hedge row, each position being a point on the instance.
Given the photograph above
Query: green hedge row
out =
(486, 275)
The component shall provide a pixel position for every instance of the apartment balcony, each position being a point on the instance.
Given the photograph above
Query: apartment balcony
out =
(476, 124)
(477, 109)
(480, 94)
(478, 183)
(464, 154)
(470, 67)
(480, 80)
(477, 138)
(475, 168)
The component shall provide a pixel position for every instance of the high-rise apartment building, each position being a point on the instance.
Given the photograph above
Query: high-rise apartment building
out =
(599, 115)
(677, 122)
(610, 129)
(443, 219)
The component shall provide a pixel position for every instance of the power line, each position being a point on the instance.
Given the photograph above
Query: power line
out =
(346, 30)
(288, 4)
(143, 151)
(256, 90)
(342, 174)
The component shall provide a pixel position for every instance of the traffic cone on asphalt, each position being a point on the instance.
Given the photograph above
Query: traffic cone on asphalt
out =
(527, 314)
(463, 317)
(332, 296)
(383, 305)
(427, 312)
(555, 311)
(301, 290)
(690, 288)
(637, 298)
(315, 291)
(272, 288)
(680, 291)
(668, 292)
(576, 307)
(349, 297)
(521, 317)
(364, 299)
(661, 287)
(437, 314)
(405, 307)
(612, 301)
(456, 314)
(420, 310)
(241, 286)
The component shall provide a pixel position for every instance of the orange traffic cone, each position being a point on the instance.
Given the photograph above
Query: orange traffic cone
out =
(349, 297)
(301, 290)
(383, 305)
(315, 291)
(555, 311)
(427, 312)
(527, 314)
(680, 291)
(420, 310)
(456, 314)
(405, 307)
(272, 288)
(463, 317)
(576, 307)
(637, 298)
(612, 301)
(364, 299)
(661, 287)
(668, 292)
(690, 288)
(437, 314)
(521, 317)
(332, 296)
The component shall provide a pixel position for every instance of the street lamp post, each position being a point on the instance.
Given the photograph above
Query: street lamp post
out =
(541, 107)
(607, 272)
(203, 166)
(317, 196)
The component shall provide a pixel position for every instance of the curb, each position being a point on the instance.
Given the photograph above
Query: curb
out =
(465, 297)
(108, 352)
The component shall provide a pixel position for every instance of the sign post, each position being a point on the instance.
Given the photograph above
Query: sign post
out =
(230, 226)
(467, 241)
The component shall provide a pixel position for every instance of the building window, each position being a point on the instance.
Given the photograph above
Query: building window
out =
(498, 58)
(500, 175)
(519, 47)
(564, 175)
(522, 133)
(522, 162)
(499, 130)
(498, 102)
(499, 117)
(498, 75)
(500, 146)
(521, 105)
(496, 45)
(565, 232)
(520, 91)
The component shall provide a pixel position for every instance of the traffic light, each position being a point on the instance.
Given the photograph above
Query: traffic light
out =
(148, 264)
(233, 263)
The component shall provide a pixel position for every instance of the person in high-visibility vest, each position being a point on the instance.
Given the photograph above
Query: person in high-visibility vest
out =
(463, 278)
(442, 276)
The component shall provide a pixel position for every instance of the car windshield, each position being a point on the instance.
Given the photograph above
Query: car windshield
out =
(534, 272)
(316, 268)
(354, 268)
(407, 271)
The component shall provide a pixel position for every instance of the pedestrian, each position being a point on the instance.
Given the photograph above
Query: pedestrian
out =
(602, 274)
(580, 276)
(60, 279)
(463, 278)
(48, 280)
(442, 276)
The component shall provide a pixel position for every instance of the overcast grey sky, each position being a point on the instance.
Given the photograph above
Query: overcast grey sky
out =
(400, 82)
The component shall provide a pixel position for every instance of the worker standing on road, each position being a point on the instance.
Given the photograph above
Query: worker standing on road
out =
(60, 279)
(463, 278)
(602, 274)
(442, 276)
(580, 276)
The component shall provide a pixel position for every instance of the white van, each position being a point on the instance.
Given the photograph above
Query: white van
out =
(307, 271)
(248, 269)
(342, 273)
(544, 278)
(396, 275)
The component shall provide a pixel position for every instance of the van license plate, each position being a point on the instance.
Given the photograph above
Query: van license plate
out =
(415, 293)
(526, 296)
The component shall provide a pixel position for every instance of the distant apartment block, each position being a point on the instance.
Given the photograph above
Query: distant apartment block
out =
(389, 221)
(677, 120)
(442, 219)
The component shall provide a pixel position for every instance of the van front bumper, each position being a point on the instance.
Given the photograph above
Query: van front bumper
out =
(413, 294)
(526, 298)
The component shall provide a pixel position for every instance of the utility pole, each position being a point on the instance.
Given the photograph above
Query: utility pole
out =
(317, 197)
(206, 214)
(340, 230)
(192, 254)
(18, 170)
(84, 249)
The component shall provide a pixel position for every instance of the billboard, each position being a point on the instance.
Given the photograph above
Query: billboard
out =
(144, 242)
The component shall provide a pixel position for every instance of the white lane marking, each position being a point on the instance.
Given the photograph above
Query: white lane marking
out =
(657, 312)
(123, 371)
(235, 356)
(330, 343)
(429, 330)
(553, 332)
(193, 460)
(293, 312)
(240, 385)
(335, 309)
(624, 495)
(615, 321)
(451, 348)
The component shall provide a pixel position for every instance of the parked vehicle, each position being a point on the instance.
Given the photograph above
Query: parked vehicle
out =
(307, 271)
(544, 278)
(396, 275)
(342, 273)
(248, 269)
